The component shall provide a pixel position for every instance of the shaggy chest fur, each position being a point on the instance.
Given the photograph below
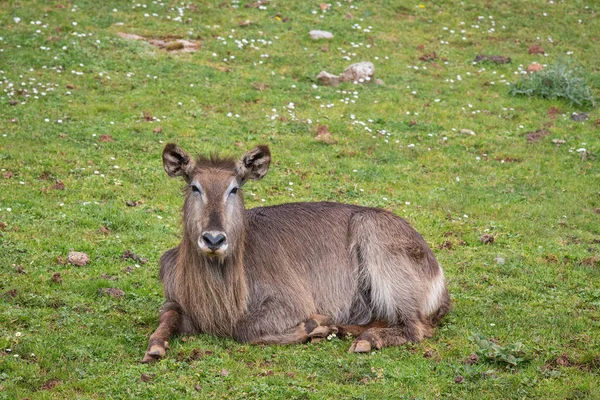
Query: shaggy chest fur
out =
(213, 295)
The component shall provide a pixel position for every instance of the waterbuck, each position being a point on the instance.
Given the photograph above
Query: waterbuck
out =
(293, 272)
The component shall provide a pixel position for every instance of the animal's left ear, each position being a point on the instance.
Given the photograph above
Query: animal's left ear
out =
(254, 164)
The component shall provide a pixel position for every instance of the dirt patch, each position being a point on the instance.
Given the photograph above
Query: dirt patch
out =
(486, 239)
(472, 359)
(57, 186)
(429, 57)
(51, 384)
(535, 49)
(128, 254)
(171, 45)
(324, 136)
(508, 159)
(112, 292)
(593, 261)
(56, 277)
(533, 137)
(493, 59)
(552, 112)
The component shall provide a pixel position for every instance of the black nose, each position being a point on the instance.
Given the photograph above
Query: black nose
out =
(214, 240)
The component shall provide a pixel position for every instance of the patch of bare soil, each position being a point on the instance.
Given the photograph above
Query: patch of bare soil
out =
(533, 137)
(494, 59)
(171, 45)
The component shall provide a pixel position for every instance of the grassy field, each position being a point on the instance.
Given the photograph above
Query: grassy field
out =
(85, 113)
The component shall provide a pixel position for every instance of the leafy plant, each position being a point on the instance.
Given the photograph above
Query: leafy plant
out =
(511, 354)
(558, 80)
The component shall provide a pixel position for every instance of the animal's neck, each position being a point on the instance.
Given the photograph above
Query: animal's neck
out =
(213, 293)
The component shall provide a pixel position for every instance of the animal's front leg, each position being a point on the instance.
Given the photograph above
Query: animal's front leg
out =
(170, 321)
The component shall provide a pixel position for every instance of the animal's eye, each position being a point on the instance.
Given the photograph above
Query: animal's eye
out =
(196, 189)
(234, 190)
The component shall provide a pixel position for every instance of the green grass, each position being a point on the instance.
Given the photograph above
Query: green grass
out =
(540, 201)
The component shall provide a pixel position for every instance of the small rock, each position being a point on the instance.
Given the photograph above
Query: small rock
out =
(244, 23)
(360, 73)
(459, 379)
(158, 129)
(558, 142)
(499, 260)
(379, 82)
(486, 239)
(78, 258)
(579, 117)
(355, 72)
(325, 78)
(534, 67)
(112, 292)
(316, 35)
(467, 132)
(535, 49)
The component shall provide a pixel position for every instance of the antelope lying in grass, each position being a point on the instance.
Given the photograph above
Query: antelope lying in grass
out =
(293, 272)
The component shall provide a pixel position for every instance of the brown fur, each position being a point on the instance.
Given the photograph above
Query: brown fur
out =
(291, 269)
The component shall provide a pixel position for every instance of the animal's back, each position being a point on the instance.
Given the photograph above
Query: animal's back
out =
(349, 262)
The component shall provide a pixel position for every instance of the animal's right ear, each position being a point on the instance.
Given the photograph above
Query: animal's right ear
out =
(177, 162)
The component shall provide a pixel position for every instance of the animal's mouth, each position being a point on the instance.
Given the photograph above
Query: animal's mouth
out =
(212, 252)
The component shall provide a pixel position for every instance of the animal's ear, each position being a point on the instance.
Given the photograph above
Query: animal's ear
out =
(254, 164)
(177, 162)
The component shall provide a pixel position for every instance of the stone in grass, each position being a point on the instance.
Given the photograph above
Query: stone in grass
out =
(467, 132)
(579, 117)
(499, 260)
(360, 73)
(78, 258)
(316, 35)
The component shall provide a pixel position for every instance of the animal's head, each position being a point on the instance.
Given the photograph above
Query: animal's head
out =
(213, 211)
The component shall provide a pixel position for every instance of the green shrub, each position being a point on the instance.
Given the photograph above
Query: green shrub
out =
(559, 80)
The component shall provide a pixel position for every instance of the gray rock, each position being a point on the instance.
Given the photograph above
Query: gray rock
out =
(316, 35)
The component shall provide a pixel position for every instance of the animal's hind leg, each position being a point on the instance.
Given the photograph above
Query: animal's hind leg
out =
(298, 334)
(377, 338)
(324, 331)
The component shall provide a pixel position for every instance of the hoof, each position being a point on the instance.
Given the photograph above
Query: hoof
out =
(156, 351)
(149, 359)
(360, 346)
(322, 332)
